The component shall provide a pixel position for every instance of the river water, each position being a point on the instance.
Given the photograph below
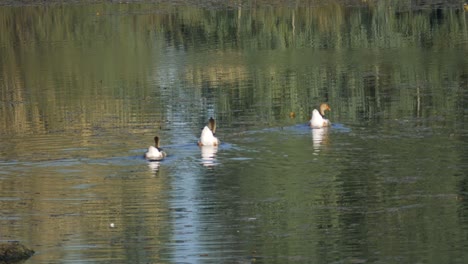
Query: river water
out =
(85, 87)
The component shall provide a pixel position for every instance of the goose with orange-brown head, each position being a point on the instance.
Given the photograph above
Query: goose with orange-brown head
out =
(318, 120)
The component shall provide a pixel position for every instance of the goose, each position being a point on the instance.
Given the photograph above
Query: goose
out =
(207, 137)
(155, 153)
(317, 120)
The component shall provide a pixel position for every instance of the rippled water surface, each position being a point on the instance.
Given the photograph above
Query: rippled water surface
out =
(81, 100)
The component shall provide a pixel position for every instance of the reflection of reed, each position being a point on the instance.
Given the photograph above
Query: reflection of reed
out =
(208, 154)
(219, 72)
(72, 102)
(78, 92)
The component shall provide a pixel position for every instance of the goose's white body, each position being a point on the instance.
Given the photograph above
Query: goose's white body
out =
(154, 154)
(207, 138)
(318, 121)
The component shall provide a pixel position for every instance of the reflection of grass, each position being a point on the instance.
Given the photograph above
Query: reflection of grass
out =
(290, 56)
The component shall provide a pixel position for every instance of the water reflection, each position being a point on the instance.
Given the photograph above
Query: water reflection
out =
(208, 154)
(381, 68)
(154, 166)
(319, 138)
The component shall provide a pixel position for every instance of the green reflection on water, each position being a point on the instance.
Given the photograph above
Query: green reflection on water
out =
(368, 62)
(87, 82)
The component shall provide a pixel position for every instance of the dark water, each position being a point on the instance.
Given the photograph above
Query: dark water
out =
(84, 88)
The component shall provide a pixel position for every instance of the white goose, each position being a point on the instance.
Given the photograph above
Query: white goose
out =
(207, 137)
(317, 120)
(155, 153)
